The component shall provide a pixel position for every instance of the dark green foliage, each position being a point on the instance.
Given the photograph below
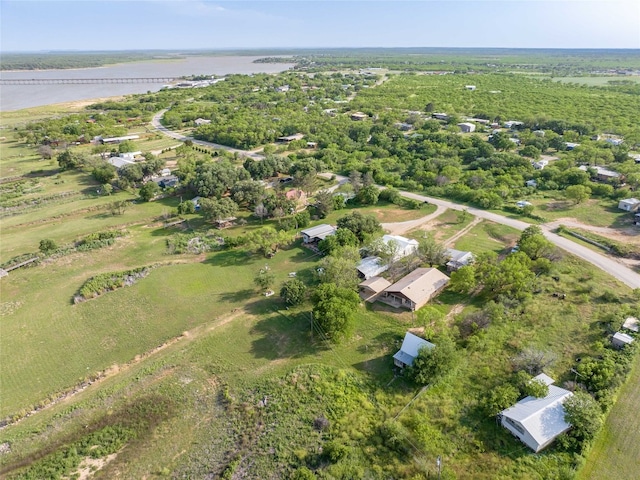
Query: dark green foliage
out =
(342, 238)
(48, 246)
(69, 161)
(536, 388)
(499, 398)
(368, 195)
(324, 203)
(104, 173)
(363, 226)
(106, 282)
(333, 310)
(214, 210)
(585, 416)
(148, 191)
(432, 364)
(293, 291)
(187, 207)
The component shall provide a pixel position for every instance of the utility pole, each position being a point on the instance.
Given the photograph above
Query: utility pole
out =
(311, 326)
(439, 465)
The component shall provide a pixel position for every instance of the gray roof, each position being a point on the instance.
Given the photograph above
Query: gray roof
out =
(319, 231)
(631, 323)
(411, 345)
(620, 338)
(376, 284)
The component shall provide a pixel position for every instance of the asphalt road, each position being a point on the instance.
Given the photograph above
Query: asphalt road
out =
(155, 122)
(611, 266)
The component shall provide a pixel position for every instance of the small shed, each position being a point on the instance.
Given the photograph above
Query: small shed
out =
(359, 116)
(458, 259)
(470, 87)
(632, 323)
(411, 346)
(629, 204)
(619, 339)
(467, 127)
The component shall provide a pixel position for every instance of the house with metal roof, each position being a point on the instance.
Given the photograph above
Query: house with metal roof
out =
(458, 259)
(619, 339)
(317, 233)
(404, 246)
(411, 346)
(537, 422)
(371, 267)
(415, 289)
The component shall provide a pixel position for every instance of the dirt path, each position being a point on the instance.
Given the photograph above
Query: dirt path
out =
(451, 240)
(629, 235)
(398, 228)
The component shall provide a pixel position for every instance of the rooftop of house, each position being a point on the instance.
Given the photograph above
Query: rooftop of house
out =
(419, 284)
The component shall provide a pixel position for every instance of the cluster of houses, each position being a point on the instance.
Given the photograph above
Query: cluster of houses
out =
(412, 291)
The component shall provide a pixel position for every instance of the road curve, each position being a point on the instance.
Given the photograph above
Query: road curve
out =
(609, 265)
(155, 123)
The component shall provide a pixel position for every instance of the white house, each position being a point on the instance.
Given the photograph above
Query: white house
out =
(440, 116)
(470, 87)
(201, 121)
(467, 127)
(411, 346)
(537, 422)
(317, 233)
(513, 124)
(404, 246)
(629, 204)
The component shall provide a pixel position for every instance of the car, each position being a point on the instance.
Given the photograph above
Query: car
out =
(523, 203)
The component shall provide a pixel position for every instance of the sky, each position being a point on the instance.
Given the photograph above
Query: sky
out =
(46, 25)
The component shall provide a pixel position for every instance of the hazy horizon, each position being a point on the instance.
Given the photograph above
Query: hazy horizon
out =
(120, 25)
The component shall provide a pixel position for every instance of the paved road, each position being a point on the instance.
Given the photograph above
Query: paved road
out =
(155, 122)
(611, 266)
(607, 264)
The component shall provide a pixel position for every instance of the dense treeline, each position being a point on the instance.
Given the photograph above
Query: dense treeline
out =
(62, 60)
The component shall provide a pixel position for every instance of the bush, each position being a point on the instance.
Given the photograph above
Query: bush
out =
(48, 246)
(106, 282)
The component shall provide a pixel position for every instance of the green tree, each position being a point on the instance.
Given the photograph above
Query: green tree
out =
(342, 238)
(536, 388)
(293, 291)
(368, 195)
(69, 161)
(107, 189)
(148, 191)
(463, 280)
(104, 173)
(431, 364)
(363, 226)
(214, 210)
(334, 310)
(584, 415)
(340, 268)
(533, 243)
(247, 193)
(499, 398)
(577, 193)
(118, 207)
(432, 252)
(265, 278)
(48, 246)
(324, 203)
(187, 207)
(268, 240)
(126, 146)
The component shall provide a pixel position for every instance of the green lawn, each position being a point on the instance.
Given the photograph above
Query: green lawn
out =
(615, 450)
(488, 236)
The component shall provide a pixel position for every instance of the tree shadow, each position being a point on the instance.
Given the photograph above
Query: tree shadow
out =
(283, 336)
(237, 296)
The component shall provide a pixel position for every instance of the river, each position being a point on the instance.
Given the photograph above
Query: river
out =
(17, 97)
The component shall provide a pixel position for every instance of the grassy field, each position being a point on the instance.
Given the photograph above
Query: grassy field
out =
(598, 81)
(488, 237)
(614, 453)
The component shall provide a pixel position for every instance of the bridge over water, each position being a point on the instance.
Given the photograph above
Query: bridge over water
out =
(82, 81)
